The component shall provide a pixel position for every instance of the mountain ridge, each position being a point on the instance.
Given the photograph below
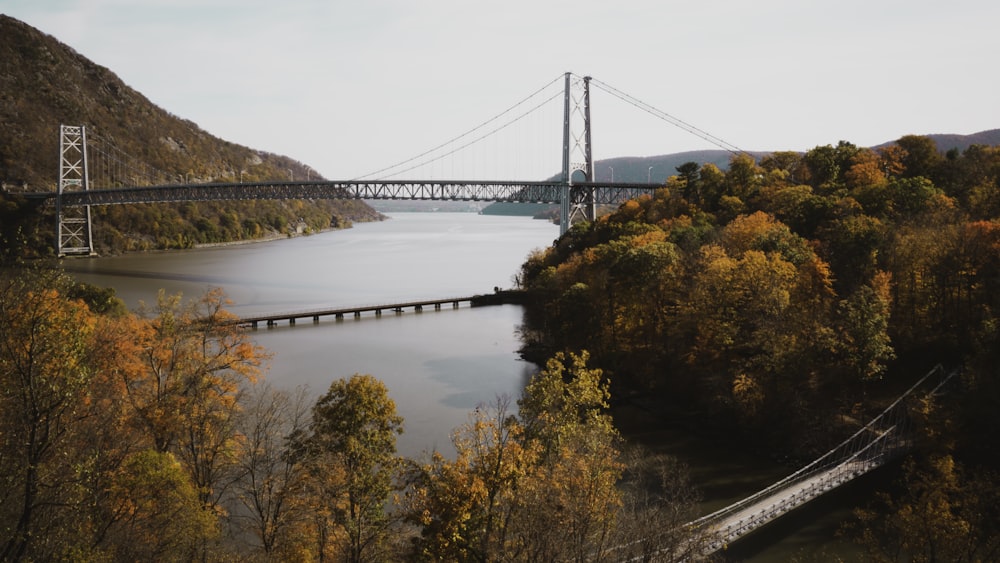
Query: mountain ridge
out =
(45, 83)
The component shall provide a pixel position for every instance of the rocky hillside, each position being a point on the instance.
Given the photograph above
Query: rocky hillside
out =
(45, 83)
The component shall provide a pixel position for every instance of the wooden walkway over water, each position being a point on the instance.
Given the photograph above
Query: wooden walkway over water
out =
(338, 313)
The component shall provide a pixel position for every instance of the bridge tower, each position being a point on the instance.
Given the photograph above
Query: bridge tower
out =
(73, 223)
(577, 202)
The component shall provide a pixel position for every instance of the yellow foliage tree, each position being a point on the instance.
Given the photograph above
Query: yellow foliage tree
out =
(45, 375)
(185, 397)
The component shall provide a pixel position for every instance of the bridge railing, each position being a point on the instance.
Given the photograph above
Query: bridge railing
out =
(863, 461)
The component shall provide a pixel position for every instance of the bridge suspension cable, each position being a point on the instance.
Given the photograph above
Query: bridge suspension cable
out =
(434, 154)
(112, 167)
(659, 114)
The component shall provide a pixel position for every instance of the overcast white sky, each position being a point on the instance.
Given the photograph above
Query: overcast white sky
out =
(350, 86)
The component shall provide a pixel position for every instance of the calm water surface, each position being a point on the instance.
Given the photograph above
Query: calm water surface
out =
(438, 365)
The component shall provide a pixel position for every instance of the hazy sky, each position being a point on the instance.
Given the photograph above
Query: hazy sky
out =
(350, 86)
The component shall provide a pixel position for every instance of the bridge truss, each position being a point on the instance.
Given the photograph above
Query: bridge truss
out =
(458, 190)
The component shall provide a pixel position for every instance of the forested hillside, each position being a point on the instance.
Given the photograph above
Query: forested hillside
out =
(44, 83)
(784, 301)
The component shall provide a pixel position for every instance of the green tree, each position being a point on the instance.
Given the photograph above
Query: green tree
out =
(349, 454)
(866, 327)
(158, 512)
(689, 173)
(921, 156)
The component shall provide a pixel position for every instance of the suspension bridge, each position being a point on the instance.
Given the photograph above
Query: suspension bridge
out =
(577, 189)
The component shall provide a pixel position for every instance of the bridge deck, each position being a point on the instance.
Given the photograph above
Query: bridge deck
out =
(783, 501)
(271, 319)
(440, 190)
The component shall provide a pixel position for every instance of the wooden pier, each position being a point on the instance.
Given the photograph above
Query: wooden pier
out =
(272, 319)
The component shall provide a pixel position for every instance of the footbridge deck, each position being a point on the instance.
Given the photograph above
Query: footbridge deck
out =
(884, 438)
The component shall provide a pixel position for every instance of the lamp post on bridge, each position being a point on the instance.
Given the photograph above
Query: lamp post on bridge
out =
(649, 175)
(612, 168)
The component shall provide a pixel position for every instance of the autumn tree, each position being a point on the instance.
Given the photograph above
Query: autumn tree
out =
(572, 494)
(185, 400)
(467, 508)
(349, 455)
(865, 317)
(536, 486)
(945, 514)
(158, 512)
(45, 375)
(757, 312)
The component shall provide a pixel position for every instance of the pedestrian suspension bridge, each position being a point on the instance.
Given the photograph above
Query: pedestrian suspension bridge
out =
(93, 172)
(885, 438)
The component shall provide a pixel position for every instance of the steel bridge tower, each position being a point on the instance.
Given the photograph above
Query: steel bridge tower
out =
(577, 203)
(73, 223)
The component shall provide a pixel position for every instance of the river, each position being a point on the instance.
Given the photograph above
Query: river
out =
(438, 365)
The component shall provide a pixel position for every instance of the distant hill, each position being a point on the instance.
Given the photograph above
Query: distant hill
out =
(45, 83)
(947, 142)
(636, 169)
(659, 168)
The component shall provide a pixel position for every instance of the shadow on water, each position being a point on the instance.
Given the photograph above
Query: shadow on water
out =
(467, 376)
